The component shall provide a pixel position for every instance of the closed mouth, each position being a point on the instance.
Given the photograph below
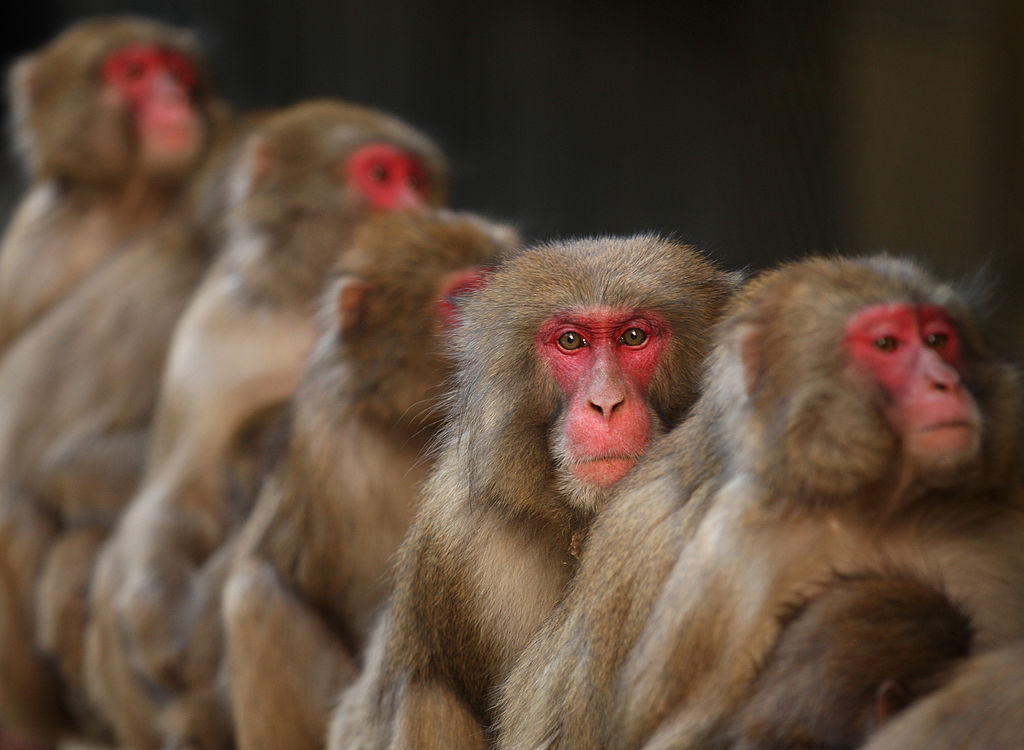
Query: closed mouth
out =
(603, 471)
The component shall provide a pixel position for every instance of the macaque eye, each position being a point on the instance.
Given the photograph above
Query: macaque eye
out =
(571, 340)
(633, 337)
(886, 343)
(936, 340)
(378, 173)
(133, 69)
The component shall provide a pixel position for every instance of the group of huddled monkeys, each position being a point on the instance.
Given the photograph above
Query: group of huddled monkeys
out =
(292, 457)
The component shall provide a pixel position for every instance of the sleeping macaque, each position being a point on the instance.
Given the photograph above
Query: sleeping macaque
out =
(307, 177)
(317, 549)
(570, 360)
(981, 707)
(110, 119)
(853, 423)
(79, 389)
(846, 662)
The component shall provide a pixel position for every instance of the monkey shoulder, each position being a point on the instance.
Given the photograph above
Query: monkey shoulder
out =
(217, 329)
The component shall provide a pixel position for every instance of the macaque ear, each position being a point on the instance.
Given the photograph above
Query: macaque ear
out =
(751, 357)
(456, 289)
(23, 92)
(23, 85)
(253, 166)
(351, 298)
(890, 698)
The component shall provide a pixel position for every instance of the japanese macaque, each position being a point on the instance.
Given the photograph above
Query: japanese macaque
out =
(846, 662)
(853, 423)
(318, 546)
(307, 178)
(111, 118)
(570, 360)
(78, 390)
(980, 707)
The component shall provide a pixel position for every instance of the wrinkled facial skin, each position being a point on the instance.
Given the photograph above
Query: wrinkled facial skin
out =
(389, 178)
(913, 354)
(156, 85)
(603, 360)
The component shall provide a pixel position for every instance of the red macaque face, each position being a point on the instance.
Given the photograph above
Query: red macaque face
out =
(389, 178)
(603, 360)
(913, 354)
(156, 84)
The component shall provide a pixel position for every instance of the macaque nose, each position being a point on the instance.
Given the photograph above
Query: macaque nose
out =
(943, 376)
(169, 90)
(605, 405)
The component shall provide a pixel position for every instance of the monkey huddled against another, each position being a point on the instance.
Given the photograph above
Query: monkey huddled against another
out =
(305, 179)
(980, 707)
(291, 457)
(108, 103)
(853, 423)
(571, 359)
(845, 662)
(315, 554)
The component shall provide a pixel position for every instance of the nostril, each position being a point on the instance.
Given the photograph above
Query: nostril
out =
(606, 408)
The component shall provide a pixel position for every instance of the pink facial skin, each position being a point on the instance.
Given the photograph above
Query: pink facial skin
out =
(913, 353)
(157, 84)
(391, 179)
(603, 360)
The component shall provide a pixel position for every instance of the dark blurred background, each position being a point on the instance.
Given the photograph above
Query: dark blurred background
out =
(756, 130)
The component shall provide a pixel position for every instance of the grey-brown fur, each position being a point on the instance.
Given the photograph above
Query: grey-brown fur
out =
(980, 707)
(785, 475)
(847, 661)
(489, 550)
(78, 391)
(317, 549)
(237, 353)
(89, 193)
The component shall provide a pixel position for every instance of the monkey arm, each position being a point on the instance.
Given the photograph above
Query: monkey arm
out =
(564, 679)
(92, 478)
(711, 626)
(251, 359)
(62, 597)
(24, 295)
(431, 715)
(280, 653)
(169, 531)
(29, 688)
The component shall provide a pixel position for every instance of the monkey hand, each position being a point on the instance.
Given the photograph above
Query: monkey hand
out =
(154, 630)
